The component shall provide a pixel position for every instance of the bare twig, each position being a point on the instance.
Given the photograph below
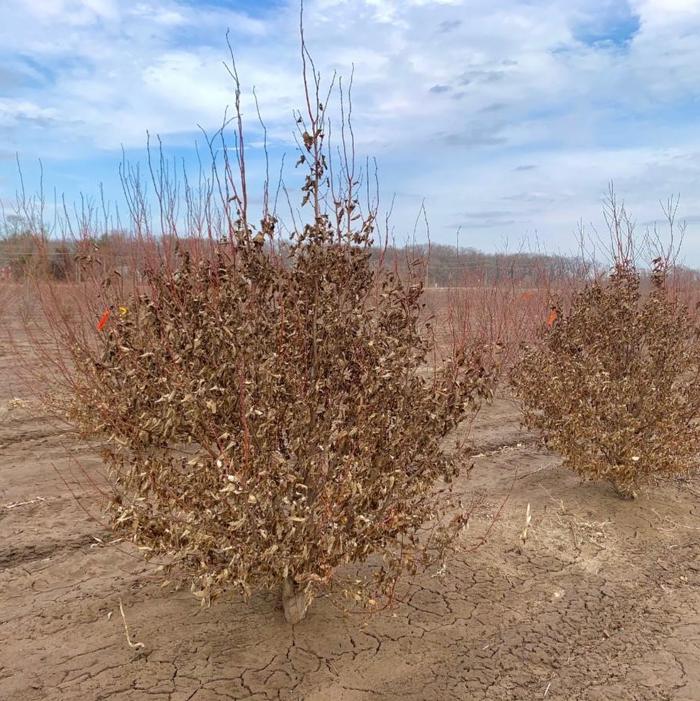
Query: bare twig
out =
(132, 645)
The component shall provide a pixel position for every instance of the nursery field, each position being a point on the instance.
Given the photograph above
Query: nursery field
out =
(595, 598)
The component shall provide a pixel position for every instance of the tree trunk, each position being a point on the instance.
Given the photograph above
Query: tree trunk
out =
(295, 601)
(625, 492)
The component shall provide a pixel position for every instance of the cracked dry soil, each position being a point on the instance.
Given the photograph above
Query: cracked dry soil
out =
(600, 601)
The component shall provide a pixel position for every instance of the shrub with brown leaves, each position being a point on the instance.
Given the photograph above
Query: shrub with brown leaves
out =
(266, 423)
(613, 384)
(268, 419)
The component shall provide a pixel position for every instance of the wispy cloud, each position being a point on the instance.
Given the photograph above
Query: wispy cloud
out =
(471, 104)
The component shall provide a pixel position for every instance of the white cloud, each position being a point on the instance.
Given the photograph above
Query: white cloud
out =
(13, 112)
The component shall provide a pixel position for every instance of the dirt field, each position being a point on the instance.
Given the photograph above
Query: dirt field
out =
(600, 602)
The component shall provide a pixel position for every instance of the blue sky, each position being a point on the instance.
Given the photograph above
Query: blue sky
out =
(508, 118)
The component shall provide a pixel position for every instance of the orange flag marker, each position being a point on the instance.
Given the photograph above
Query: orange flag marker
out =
(103, 320)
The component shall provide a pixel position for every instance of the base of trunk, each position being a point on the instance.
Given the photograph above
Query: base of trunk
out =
(625, 492)
(295, 601)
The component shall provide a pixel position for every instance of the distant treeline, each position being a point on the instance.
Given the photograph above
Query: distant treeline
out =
(23, 254)
(448, 266)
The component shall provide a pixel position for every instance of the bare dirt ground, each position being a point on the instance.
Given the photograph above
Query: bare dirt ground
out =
(600, 601)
